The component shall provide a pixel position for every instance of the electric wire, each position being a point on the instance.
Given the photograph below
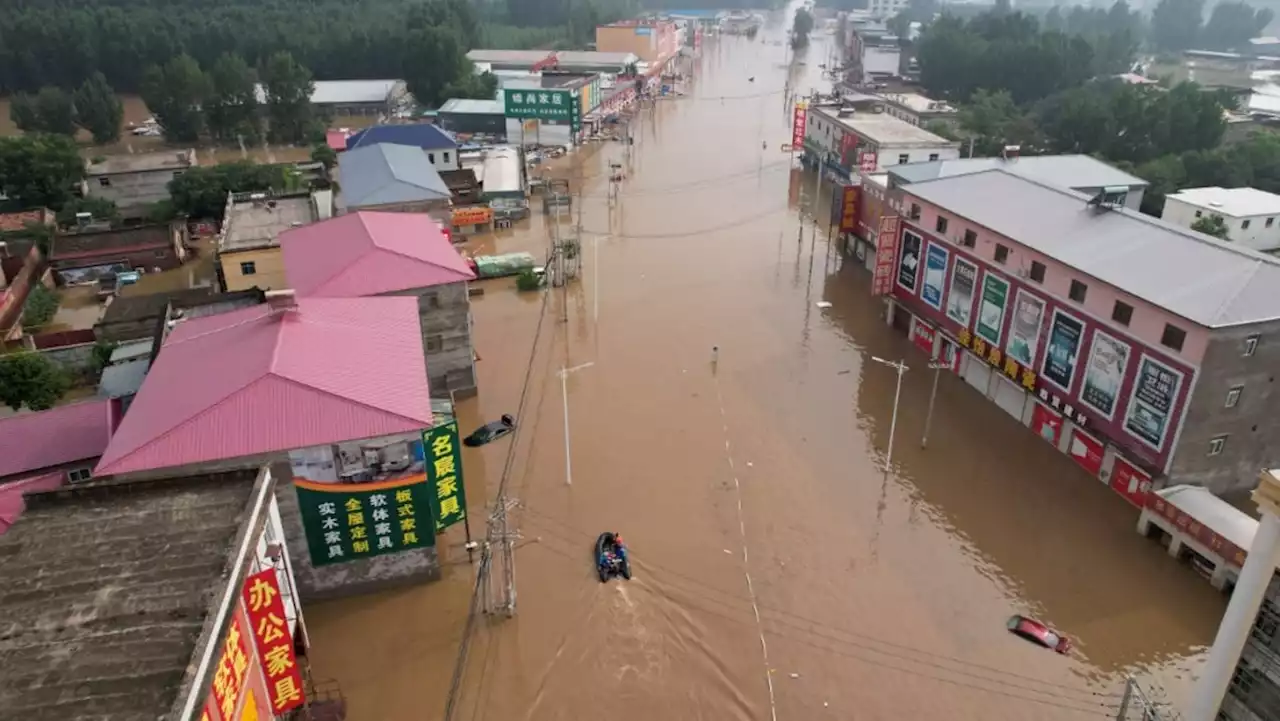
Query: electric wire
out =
(747, 220)
(1088, 705)
(783, 617)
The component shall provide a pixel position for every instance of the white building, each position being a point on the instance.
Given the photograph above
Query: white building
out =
(885, 8)
(917, 109)
(1250, 214)
(854, 135)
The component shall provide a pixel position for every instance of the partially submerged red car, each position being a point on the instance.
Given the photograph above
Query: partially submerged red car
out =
(1038, 633)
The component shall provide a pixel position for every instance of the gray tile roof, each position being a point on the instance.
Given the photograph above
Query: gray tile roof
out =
(106, 591)
(1202, 279)
(388, 173)
(1062, 171)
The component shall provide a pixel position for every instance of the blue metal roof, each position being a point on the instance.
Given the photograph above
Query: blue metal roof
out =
(388, 173)
(422, 135)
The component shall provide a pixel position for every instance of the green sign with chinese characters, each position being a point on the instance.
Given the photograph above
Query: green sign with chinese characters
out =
(350, 521)
(448, 497)
(560, 105)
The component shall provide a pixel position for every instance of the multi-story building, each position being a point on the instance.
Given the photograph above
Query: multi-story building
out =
(248, 251)
(1250, 215)
(135, 182)
(885, 9)
(650, 40)
(1144, 351)
(355, 97)
(917, 109)
(849, 138)
(581, 61)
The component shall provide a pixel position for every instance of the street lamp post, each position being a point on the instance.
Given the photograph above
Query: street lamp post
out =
(897, 394)
(936, 366)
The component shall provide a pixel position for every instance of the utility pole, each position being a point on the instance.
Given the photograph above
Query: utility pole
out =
(502, 537)
(936, 366)
(897, 395)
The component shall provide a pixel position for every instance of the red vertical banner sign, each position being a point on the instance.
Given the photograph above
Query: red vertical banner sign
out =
(1130, 482)
(275, 643)
(797, 126)
(848, 142)
(886, 255)
(849, 209)
(233, 666)
(867, 161)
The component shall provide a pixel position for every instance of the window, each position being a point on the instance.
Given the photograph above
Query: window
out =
(941, 225)
(249, 268)
(1199, 213)
(104, 182)
(435, 343)
(1250, 345)
(1037, 271)
(933, 156)
(1122, 313)
(432, 158)
(75, 475)
(446, 156)
(904, 159)
(915, 212)
(970, 239)
(1173, 337)
(1216, 444)
(431, 300)
(1233, 396)
(162, 254)
(1271, 222)
(1244, 224)
(1078, 291)
(1002, 253)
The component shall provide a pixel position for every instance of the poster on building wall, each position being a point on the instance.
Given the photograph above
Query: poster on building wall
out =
(886, 255)
(848, 209)
(270, 627)
(960, 298)
(909, 261)
(867, 161)
(1155, 391)
(935, 275)
(1024, 328)
(444, 474)
(1130, 482)
(1063, 352)
(848, 142)
(1104, 373)
(922, 335)
(1046, 423)
(238, 692)
(995, 296)
(1086, 450)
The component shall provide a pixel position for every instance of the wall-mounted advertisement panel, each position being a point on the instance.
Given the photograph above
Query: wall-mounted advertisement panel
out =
(995, 296)
(1104, 374)
(935, 275)
(1065, 336)
(909, 261)
(1155, 393)
(1024, 329)
(964, 280)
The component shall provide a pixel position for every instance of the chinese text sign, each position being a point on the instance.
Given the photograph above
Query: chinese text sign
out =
(233, 665)
(350, 521)
(541, 104)
(849, 209)
(270, 627)
(797, 126)
(886, 252)
(444, 474)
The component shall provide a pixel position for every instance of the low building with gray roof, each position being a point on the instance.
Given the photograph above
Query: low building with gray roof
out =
(1076, 172)
(391, 177)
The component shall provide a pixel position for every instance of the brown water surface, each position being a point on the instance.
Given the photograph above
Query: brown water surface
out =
(751, 492)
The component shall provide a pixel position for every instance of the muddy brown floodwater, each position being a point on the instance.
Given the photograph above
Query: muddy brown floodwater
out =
(751, 493)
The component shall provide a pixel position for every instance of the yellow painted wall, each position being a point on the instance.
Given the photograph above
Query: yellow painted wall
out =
(268, 264)
(623, 39)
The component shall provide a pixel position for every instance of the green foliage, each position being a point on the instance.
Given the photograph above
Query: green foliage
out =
(201, 192)
(1254, 163)
(991, 120)
(40, 308)
(98, 110)
(231, 112)
(1232, 24)
(102, 351)
(176, 92)
(528, 280)
(322, 153)
(1175, 24)
(52, 110)
(100, 208)
(289, 87)
(40, 170)
(31, 380)
(1211, 225)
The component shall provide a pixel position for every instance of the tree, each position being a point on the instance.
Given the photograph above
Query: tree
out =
(1175, 24)
(40, 308)
(432, 60)
(1211, 225)
(176, 92)
(322, 153)
(51, 110)
(1232, 24)
(800, 29)
(40, 170)
(992, 120)
(31, 380)
(232, 109)
(483, 86)
(98, 110)
(289, 88)
(99, 208)
(201, 192)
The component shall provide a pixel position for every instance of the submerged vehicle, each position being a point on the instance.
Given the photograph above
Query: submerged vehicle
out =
(1038, 633)
(490, 432)
(611, 557)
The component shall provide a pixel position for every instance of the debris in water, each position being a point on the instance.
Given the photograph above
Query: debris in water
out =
(749, 465)
(843, 372)
(825, 704)
(728, 552)
(823, 304)
(795, 675)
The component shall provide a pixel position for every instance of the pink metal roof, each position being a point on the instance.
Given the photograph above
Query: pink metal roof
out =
(11, 502)
(258, 380)
(336, 139)
(367, 253)
(76, 432)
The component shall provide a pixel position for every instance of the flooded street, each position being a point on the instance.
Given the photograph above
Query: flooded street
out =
(779, 572)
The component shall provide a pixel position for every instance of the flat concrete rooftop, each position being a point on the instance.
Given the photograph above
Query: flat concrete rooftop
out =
(252, 224)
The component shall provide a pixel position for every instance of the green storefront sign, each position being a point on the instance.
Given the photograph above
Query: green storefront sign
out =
(347, 522)
(558, 105)
(448, 497)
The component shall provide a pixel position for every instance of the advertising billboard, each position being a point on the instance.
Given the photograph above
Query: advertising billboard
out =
(991, 305)
(886, 255)
(909, 261)
(269, 624)
(848, 209)
(1104, 374)
(964, 280)
(797, 125)
(1024, 328)
(868, 161)
(1065, 334)
(447, 496)
(935, 275)
(1155, 392)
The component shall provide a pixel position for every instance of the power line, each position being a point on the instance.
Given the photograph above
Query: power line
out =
(783, 616)
(702, 231)
(1063, 701)
(682, 187)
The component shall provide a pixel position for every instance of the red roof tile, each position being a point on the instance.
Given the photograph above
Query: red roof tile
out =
(11, 502)
(367, 253)
(336, 139)
(76, 432)
(259, 380)
(23, 218)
